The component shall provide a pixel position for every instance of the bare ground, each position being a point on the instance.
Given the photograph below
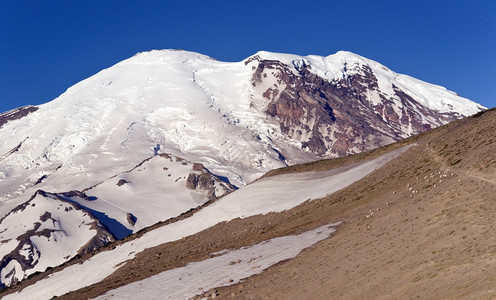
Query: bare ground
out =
(434, 240)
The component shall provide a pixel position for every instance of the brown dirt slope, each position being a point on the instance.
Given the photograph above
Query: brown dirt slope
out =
(432, 237)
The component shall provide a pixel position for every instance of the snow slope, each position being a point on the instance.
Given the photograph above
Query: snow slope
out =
(155, 190)
(51, 228)
(272, 194)
(56, 222)
(178, 102)
(227, 269)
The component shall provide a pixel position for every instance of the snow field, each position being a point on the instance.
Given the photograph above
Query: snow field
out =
(226, 269)
(153, 192)
(272, 194)
(112, 120)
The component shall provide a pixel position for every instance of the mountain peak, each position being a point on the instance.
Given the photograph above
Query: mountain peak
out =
(164, 56)
(163, 112)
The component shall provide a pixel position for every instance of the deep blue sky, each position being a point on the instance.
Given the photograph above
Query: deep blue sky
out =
(48, 46)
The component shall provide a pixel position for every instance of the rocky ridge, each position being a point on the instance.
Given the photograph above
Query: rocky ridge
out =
(345, 115)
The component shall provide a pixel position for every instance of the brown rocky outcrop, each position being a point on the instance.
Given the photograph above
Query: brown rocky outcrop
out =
(202, 179)
(338, 117)
(16, 114)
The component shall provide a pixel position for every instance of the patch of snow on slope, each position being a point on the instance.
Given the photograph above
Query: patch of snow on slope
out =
(436, 97)
(227, 269)
(272, 194)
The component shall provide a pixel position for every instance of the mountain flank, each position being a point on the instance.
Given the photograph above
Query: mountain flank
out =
(160, 136)
(421, 226)
(124, 143)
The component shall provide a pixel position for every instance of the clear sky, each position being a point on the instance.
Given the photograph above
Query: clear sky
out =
(48, 46)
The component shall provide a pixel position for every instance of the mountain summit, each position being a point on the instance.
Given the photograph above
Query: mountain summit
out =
(166, 131)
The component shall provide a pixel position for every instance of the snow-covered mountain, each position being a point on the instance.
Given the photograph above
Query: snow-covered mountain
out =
(165, 131)
(272, 194)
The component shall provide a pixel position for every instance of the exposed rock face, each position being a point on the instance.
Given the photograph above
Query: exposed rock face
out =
(205, 181)
(131, 219)
(341, 116)
(121, 182)
(16, 114)
(102, 238)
